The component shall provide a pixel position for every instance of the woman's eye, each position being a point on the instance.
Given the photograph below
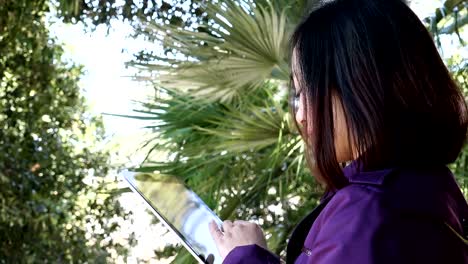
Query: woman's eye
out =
(297, 99)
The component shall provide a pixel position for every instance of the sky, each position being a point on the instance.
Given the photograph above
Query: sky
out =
(105, 83)
(108, 89)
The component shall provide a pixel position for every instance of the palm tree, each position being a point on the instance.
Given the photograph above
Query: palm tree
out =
(220, 115)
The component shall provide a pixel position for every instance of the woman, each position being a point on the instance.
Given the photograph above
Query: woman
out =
(371, 90)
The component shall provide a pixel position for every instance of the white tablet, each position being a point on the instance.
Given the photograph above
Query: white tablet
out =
(180, 209)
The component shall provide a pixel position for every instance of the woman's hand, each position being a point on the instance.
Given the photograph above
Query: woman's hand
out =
(237, 233)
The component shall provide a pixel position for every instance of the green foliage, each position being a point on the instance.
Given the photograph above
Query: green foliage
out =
(245, 47)
(55, 206)
(94, 13)
(448, 19)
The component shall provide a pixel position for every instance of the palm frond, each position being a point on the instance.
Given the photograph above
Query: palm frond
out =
(246, 46)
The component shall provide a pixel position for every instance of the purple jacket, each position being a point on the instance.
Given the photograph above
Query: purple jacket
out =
(388, 216)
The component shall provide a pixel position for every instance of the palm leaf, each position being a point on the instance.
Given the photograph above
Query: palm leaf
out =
(237, 57)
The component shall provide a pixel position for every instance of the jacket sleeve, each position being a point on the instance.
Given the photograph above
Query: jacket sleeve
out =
(251, 254)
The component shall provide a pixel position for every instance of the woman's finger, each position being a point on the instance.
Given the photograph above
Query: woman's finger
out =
(227, 224)
(215, 232)
(242, 222)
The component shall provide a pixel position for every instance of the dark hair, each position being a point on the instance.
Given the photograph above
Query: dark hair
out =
(401, 106)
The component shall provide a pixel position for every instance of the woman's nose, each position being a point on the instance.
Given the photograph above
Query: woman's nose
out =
(300, 118)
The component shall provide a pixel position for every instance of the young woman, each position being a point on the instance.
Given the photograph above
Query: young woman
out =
(371, 90)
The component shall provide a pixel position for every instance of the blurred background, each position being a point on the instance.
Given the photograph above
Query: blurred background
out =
(194, 89)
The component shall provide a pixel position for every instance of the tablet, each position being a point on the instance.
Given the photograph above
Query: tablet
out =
(180, 210)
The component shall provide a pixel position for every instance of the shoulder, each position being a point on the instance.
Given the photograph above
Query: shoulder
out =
(431, 192)
(393, 221)
(351, 209)
(351, 200)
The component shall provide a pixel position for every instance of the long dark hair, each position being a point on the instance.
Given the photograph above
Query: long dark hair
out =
(401, 106)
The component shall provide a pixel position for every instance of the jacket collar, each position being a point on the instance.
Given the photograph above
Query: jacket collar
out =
(354, 173)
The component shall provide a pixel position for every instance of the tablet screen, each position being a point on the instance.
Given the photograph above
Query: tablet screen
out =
(180, 208)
